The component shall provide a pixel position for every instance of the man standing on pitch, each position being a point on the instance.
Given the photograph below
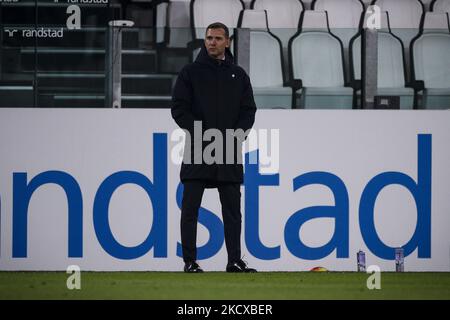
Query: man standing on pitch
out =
(216, 93)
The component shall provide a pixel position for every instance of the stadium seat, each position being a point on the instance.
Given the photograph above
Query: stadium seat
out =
(161, 21)
(440, 6)
(431, 63)
(146, 15)
(403, 15)
(283, 19)
(253, 19)
(281, 14)
(405, 20)
(317, 66)
(345, 19)
(177, 32)
(205, 12)
(391, 65)
(266, 62)
(173, 35)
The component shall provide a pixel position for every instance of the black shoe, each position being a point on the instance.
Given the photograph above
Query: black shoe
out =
(192, 267)
(239, 266)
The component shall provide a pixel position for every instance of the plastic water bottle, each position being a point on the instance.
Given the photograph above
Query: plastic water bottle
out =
(399, 260)
(361, 261)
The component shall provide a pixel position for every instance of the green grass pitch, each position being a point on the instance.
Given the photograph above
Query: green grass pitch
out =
(223, 286)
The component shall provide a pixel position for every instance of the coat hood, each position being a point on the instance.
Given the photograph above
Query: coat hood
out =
(204, 58)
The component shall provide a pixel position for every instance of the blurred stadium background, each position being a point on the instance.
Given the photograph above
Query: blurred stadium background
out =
(71, 70)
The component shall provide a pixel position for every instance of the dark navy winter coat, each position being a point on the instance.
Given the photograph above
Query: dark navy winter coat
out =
(219, 94)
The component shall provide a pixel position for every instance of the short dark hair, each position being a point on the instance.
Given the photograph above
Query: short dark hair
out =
(219, 25)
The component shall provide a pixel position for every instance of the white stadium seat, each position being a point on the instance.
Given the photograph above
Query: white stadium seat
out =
(281, 13)
(317, 60)
(266, 62)
(441, 6)
(205, 12)
(345, 19)
(253, 19)
(391, 69)
(405, 19)
(431, 63)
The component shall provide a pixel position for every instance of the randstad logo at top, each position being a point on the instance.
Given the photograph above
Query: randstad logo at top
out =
(157, 186)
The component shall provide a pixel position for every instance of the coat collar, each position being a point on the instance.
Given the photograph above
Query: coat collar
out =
(204, 58)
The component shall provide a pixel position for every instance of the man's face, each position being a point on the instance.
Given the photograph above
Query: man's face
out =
(216, 42)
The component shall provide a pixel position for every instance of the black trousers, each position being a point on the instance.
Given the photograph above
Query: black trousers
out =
(230, 199)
